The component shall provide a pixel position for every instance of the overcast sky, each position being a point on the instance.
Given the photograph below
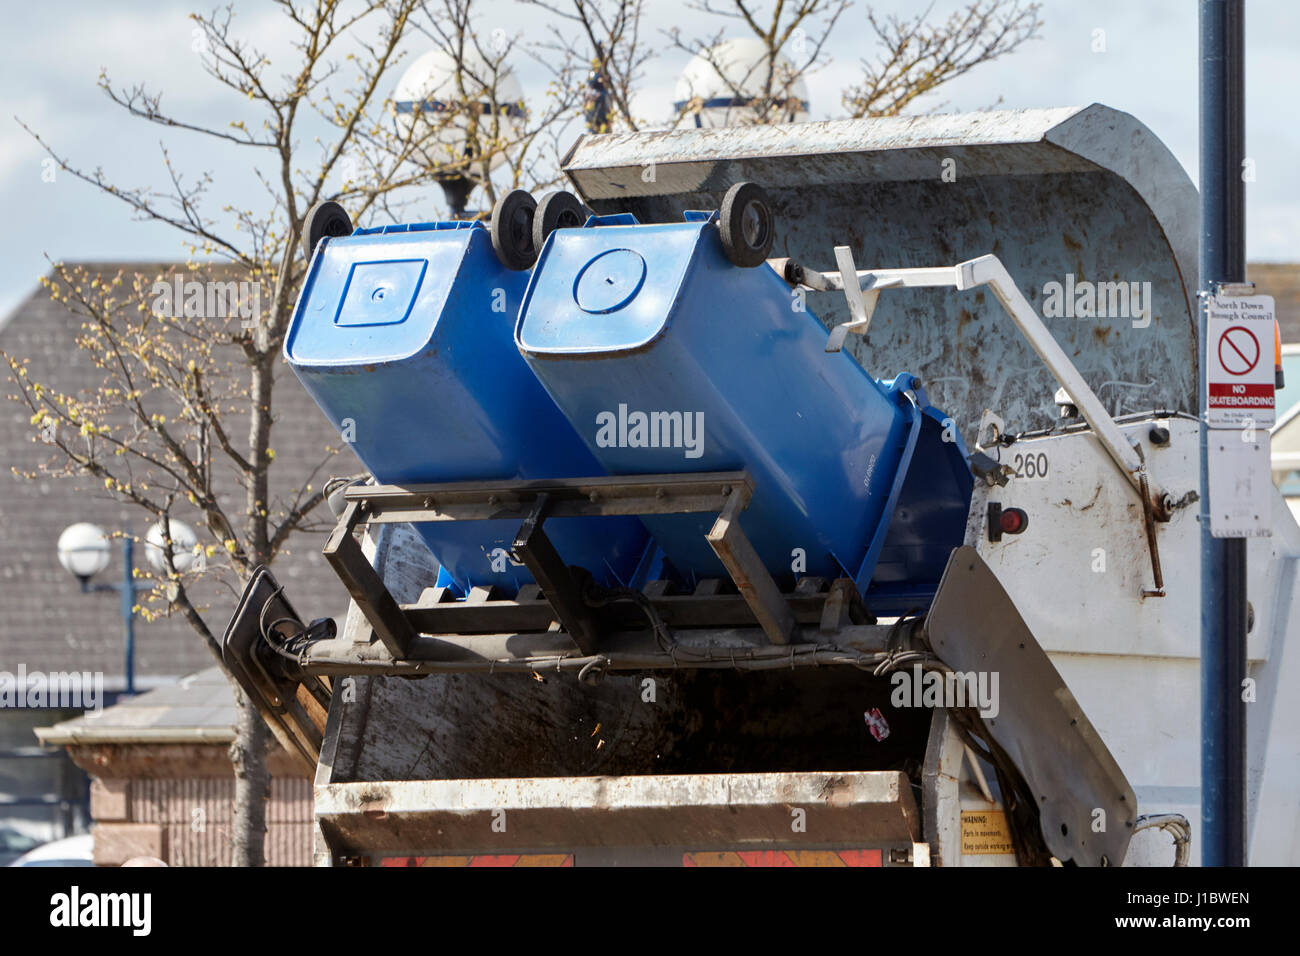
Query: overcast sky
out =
(56, 51)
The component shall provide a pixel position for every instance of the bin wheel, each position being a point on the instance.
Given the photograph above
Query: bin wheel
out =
(326, 218)
(512, 230)
(747, 225)
(557, 210)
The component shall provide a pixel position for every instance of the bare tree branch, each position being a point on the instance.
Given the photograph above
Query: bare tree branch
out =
(919, 55)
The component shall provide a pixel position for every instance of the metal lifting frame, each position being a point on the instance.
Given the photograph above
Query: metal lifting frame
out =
(985, 270)
(758, 628)
(399, 627)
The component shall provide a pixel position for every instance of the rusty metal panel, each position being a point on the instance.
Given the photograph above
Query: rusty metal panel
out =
(548, 724)
(1084, 192)
(699, 721)
(798, 811)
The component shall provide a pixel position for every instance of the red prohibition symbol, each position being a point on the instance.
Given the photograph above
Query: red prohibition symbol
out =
(1238, 350)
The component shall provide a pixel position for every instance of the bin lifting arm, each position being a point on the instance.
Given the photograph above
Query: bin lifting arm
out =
(985, 270)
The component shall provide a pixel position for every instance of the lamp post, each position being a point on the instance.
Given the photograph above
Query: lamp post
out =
(456, 189)
(84, 552)
(437, 100)
(1224, 615)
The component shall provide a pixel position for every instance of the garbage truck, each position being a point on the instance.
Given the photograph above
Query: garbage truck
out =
(758, 501)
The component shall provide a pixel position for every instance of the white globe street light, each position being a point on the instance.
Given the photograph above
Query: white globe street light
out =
(737, 83)
(186, 555)
(434, 112)
(83, 549)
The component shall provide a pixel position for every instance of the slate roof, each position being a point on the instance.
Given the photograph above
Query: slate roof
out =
(45, 622)
(1281, 280)
(197, 708)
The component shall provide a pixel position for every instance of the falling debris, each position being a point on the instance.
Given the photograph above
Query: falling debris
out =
(876, 723)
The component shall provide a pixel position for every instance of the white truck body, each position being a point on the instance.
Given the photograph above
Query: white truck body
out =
(495, 756)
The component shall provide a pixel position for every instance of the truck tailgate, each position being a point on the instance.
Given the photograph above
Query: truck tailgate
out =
(866, 818)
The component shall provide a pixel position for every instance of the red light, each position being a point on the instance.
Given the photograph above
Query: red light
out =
(1013, 520)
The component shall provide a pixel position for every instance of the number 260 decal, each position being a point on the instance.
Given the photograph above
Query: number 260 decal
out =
(1031, 465)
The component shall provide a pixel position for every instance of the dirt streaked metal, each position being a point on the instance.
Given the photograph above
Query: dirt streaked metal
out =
(1082, 191)
(863, 809)
(546, 724)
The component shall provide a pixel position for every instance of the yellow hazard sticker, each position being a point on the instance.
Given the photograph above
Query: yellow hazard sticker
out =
(985, 832)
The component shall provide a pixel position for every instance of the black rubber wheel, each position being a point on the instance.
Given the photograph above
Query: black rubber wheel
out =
(747, 225)
(557, 210)
(326, 218)
(512, 230)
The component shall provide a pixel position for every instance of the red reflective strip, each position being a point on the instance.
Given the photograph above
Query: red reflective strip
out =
(765, 858)
(510, 860)
(861, 857)
(712, 858)
(545, 859)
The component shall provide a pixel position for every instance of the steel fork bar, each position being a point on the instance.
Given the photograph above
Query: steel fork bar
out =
(989, 270)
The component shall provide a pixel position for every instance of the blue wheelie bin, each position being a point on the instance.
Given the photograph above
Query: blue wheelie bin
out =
(665, 356)
(403, 335)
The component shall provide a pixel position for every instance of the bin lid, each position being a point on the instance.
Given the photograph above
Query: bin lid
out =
(606, 289)
(376, 296)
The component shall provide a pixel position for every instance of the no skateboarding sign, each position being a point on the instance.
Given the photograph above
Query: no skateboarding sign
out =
(1239, 361)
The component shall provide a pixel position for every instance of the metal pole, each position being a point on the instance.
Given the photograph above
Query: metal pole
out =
(456, 190)
(128, 610)
(1223, 561)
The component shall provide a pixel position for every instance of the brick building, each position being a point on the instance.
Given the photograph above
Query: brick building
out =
(47, 626)
(162, 781)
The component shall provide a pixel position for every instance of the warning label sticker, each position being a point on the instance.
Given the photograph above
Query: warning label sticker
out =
(1239, 362)
(984, 832)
